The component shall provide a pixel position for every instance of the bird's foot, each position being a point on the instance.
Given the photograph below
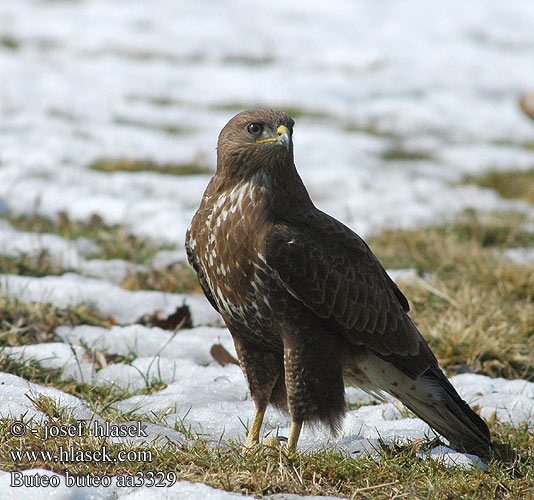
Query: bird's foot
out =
(294, 433)
(253, 436)
(274, 442)
(249, 445)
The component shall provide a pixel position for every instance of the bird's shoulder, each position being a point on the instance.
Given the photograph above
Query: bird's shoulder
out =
(332, 271)
(317, 244)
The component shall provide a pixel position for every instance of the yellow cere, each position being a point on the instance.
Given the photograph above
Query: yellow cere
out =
(280, 131)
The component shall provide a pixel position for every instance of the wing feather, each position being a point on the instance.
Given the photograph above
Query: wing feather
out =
(331, 270)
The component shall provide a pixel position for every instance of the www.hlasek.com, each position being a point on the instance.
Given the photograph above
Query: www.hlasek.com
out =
(76, 455)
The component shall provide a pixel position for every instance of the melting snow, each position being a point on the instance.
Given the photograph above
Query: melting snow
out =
(124, 306)
(96, 79)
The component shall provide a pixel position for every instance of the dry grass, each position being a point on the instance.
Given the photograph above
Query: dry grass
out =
(112, 240)
(178, 278)
(477, 310)
(398, 473)
(399, 153)
(31, 265)
(510, 184)
(35, 323)
(23, 324)
(9, 42)
(126, 165)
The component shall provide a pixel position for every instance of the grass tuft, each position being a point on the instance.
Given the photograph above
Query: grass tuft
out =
(112, 240)
(9, 43)
(167, 129)
(371, 128)
(34, 323)
(518, 184)
(177, 278)
(31, 265)
(399, 153)
(126, 165)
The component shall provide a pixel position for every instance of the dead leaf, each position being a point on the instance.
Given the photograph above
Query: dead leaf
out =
(222, 356)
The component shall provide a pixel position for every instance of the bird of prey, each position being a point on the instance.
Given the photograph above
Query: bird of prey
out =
(308, 304)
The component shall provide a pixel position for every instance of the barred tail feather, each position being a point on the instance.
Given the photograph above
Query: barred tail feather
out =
(431, 397)
(449, 414)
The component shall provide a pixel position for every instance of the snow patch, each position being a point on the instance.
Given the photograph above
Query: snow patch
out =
(124, 306)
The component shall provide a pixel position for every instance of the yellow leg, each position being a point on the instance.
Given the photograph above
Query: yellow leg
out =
(253, 437)
(294, 433)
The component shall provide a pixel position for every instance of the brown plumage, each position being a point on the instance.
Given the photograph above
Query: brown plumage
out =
(308, 304)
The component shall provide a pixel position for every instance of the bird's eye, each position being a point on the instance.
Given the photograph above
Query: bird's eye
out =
(255, 128)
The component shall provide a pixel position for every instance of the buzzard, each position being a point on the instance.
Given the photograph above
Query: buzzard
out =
(308, 304)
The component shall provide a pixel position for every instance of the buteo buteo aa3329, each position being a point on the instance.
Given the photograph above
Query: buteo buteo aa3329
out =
(308, 304)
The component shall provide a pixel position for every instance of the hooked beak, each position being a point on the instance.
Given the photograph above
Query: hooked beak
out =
(282, 138)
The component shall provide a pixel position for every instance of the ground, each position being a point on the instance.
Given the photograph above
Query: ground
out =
(409, 131)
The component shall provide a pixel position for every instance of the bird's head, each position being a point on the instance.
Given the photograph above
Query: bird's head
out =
(255, 139)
